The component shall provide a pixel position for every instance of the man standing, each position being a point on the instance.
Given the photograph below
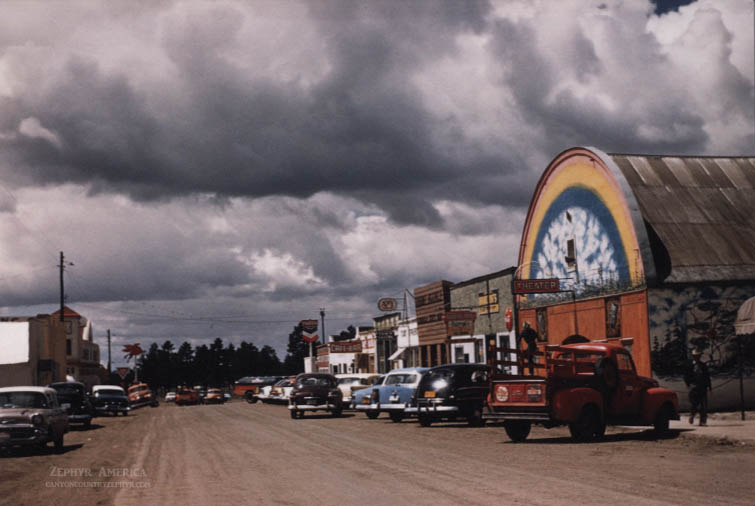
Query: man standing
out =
(698, 381)
(529, 336)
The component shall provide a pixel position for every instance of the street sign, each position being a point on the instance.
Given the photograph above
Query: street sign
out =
(123, 371)
(460, 323)
(509, 319)
(387, 305)
(549, 285)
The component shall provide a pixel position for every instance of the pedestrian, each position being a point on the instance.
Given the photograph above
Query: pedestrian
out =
(698, 381)
(529, 336)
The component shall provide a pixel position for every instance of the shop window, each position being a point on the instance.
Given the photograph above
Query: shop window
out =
(68, 346)
(542, 324)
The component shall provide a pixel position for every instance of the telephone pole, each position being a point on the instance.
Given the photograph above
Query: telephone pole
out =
(62, 267)
(109, 365)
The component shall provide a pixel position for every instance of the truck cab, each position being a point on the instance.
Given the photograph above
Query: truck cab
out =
(585, 386)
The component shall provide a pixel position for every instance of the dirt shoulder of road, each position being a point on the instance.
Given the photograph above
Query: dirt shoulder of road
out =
(95, 463)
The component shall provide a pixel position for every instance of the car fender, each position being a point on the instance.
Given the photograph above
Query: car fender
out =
(567, 403)
(653, 399)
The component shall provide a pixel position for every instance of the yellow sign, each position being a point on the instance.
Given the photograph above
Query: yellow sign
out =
(488, 303)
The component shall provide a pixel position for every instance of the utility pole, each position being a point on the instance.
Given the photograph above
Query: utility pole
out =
(62, 291)
(324, 338)
(109, 366)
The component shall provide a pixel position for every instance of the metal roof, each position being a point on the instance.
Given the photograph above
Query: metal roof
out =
(699, 212)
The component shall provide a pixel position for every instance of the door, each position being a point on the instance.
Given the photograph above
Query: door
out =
(628, 395)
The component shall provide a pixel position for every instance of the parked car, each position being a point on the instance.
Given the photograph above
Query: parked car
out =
(31, 416)
(170, 397)
(186, 396)
(140, 395)
(362, 398)
(110, 399)
(451, 391)
(249, 387)
(282, 390)
(214, 396)
(263, 395)
(394, 394)
(73, 398)
(315, 392)
(350, 383)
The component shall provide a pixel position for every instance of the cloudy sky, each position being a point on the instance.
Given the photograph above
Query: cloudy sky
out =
(225, 169)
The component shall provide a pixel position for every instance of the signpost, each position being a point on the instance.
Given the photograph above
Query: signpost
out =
(309, 335)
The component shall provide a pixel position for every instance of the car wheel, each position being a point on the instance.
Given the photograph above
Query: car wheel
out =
(396, 417)
(475, 419)
(517, 430)
(294, 414)
(88, 424)
(251, 399)
(425, 420)
(337, 412)
(125, 413)
(587, 426)
(372, 414)
(661, 422)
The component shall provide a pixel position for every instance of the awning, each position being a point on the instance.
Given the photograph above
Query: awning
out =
(745, 323)
(397, 354)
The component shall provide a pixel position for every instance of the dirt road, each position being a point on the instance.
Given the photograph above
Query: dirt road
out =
(255, 454)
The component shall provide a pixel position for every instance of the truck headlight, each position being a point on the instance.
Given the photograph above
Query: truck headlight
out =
(37, 419)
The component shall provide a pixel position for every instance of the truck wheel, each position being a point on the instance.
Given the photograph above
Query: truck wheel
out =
(661, 422)
(294, 414)
(251, 399)
(587, 426)
(517, 430)
(396, 417)
(425, 420)
(337, 412)
(475, 419)
(372, 414)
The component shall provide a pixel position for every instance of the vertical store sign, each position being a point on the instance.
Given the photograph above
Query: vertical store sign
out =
(309, 330)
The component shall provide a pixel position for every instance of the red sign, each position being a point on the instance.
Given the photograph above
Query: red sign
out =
(549, 285)
(387, 305)
(348, 347)
(460, 323)
(123, 371)
(309, 330)
(509, 318)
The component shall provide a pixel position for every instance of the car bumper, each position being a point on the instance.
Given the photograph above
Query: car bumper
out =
(382, 407)
(313, 407)
(111, 409)
(12, 435)
(79, 418)
(431, 409)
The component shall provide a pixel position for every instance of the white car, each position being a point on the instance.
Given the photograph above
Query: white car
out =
(281, 390)
(350, 383)
(170, 397)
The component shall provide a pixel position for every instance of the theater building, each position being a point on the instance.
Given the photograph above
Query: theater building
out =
(656, 248)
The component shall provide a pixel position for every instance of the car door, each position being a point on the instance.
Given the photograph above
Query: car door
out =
(628, 395)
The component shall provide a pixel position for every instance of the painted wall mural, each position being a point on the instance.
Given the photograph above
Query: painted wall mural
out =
(684, 318)
(579, 228)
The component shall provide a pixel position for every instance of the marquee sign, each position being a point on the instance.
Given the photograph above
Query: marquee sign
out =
(549, 285)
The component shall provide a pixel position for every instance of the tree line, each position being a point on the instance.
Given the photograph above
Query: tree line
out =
(218, 365)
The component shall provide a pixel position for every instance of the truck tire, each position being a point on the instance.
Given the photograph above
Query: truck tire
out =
(396, 416)
(588, 425)
(336, 412)
(250, 398)
(517, 430)
(425, 420)
(661, 422)
(58, 442)
(372, 414)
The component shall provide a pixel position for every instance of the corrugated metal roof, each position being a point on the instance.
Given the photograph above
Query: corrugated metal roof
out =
(701, 208)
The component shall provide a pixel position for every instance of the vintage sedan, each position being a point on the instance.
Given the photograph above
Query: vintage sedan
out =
(72, 396)
(362, 398)
(110, 399)
(315, 392)
(141, 395)
(451, 391)
(394, 394)
(281, 391)
(186, 396)
(350, 383)
(214, 396)
(31, 416)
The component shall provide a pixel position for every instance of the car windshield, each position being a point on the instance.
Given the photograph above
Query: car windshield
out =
(378, 380)
(401, 379)
(108, 391)
(23, 400)
(314, 382)
(66, 390)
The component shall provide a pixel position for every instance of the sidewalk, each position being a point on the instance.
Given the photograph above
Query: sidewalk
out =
(725, 425)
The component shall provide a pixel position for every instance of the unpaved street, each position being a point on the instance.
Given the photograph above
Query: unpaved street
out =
(255, 454)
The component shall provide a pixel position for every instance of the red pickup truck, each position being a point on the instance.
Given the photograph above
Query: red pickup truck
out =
(585, 386)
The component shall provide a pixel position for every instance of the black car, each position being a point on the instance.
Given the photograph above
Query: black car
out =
(451, 391)
(72, 396)
(110, 399)
(315, 392)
